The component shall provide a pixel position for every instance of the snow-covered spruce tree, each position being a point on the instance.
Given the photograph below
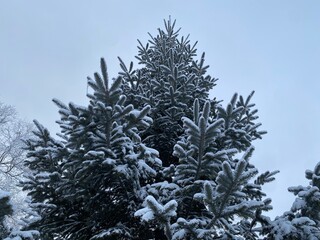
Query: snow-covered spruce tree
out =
(88, 185)
(168, 80)
(303, 220)
(105, 171)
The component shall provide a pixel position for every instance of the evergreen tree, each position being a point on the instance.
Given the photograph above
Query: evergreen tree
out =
(152, 157)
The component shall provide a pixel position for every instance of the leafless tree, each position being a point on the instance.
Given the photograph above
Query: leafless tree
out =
(12, 131)
(12, 155)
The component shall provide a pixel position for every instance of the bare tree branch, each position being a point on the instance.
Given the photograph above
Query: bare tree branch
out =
(12, 131)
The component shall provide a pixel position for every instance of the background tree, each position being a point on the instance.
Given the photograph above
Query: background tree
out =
(15, 214)
(12, 131)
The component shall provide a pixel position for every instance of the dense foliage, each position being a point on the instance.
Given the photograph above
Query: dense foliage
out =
(153, 157)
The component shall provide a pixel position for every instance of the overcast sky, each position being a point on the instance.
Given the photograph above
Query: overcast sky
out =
(48, 48)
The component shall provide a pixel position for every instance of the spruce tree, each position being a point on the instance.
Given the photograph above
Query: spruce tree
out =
(151, 156)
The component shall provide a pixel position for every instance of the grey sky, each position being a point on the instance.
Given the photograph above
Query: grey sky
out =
(47, 48)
